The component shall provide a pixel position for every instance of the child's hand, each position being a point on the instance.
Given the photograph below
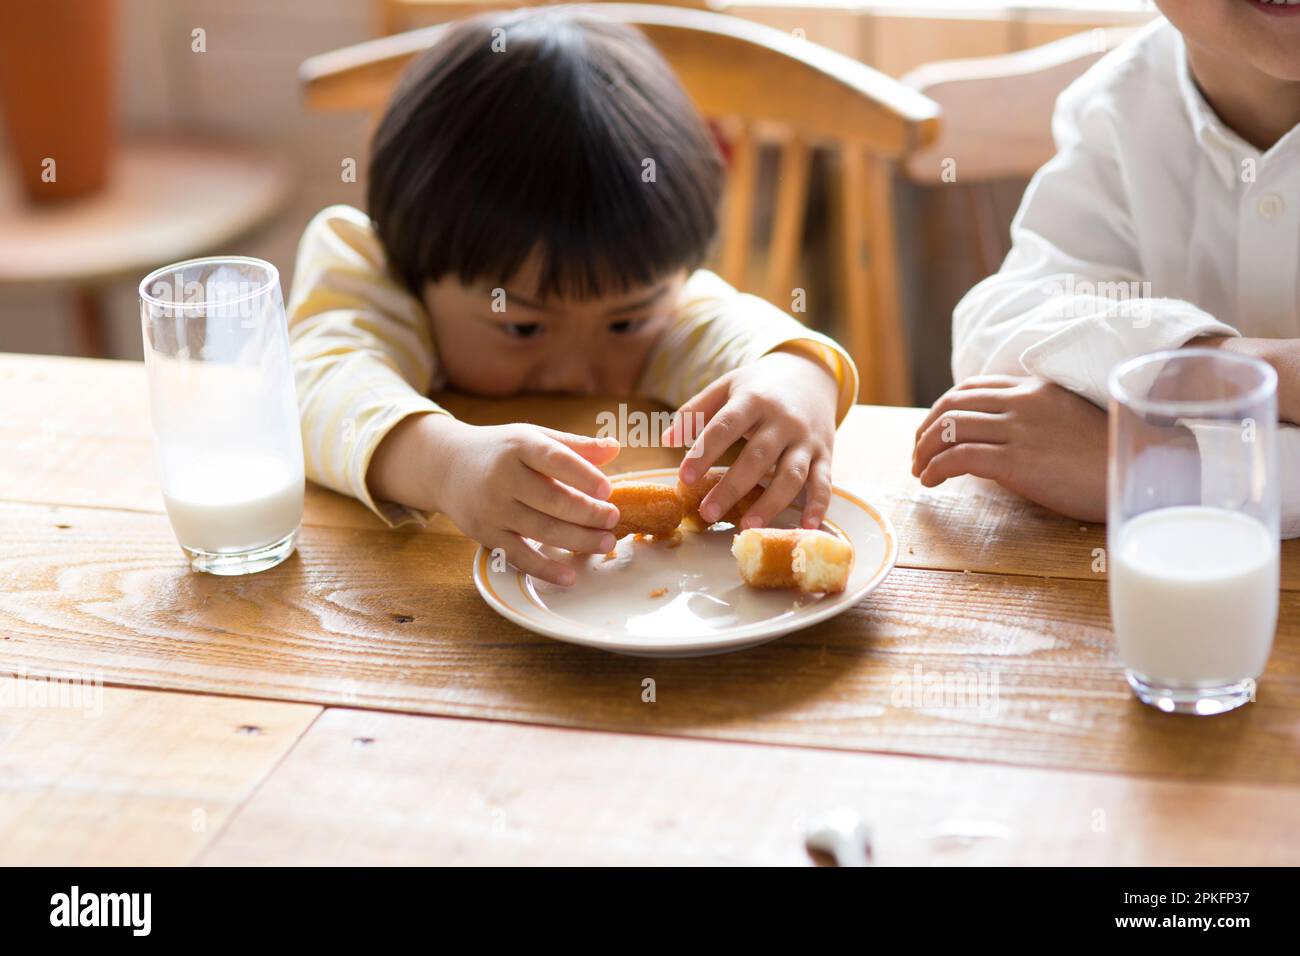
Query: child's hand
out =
(1030, 436)
(501, 484)
(784, 404)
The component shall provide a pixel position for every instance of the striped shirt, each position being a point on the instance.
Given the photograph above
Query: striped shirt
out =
(364, 358)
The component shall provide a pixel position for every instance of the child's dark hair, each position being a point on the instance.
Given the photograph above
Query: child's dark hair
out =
(488, 155)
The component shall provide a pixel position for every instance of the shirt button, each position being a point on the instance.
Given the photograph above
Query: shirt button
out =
(1271, 206)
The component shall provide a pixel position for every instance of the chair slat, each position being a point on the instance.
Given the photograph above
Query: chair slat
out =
(788, 223)
(738, 207)
(854, 331)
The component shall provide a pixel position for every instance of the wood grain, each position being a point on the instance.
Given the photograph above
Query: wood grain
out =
(120, 777)
(364, 788)
(78, 433)
(391, 621)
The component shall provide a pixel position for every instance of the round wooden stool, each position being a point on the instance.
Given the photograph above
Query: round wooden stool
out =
(167, 200)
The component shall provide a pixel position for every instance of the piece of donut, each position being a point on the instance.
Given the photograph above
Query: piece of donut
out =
(812, 561)
(646, 508)
(692, 495)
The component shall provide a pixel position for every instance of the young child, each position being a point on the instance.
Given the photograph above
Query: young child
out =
(1170, 216)
(541, 195)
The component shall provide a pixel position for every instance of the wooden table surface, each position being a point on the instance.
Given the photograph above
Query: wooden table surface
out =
(361, 704)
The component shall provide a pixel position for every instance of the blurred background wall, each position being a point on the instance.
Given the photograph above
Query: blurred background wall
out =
(243, 88)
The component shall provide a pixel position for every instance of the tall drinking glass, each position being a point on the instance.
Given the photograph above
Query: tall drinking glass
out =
(225, 413)
(1192, 526)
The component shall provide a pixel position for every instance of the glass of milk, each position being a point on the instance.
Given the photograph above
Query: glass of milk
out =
(225, 413)
(1192, 528)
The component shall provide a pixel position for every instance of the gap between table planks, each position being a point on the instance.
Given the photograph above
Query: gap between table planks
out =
(373, 619)
(364, 788)
(77, 432)
(130, 777)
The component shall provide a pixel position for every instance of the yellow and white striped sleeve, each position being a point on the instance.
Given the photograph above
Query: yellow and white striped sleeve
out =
(362, 351)
(718, 329)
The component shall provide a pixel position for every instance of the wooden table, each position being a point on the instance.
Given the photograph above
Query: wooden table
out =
(361, 704)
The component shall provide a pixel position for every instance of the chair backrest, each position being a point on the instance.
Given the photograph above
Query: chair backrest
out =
(765, 86)
(998, 109)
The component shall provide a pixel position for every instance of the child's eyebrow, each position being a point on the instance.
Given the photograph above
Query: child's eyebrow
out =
(528, 303)
(651, 299)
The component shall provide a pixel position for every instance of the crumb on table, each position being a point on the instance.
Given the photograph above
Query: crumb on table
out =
(658, 592)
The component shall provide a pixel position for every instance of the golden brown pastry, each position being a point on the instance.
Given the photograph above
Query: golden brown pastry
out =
(812, 561)
(692, 495)
(646, 508)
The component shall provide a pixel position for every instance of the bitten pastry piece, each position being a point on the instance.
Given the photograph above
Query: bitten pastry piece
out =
(822, 562)
(812, 561)
(646, 508)
(692, 495)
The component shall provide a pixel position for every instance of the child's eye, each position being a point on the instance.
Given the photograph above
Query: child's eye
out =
(522, 330)
(626, 326)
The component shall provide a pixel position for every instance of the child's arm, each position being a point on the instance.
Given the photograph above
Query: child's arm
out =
(362, 356)
(1067, 304)
(742, 368)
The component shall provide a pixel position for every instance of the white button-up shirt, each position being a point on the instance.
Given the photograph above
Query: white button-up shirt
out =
(1154, 224)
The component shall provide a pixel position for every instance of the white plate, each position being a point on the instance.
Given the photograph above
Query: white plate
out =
(704, 607)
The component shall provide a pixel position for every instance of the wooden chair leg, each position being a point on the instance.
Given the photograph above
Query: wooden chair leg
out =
(90, 326)
(854, 329)
(893, 360)
(989, 249)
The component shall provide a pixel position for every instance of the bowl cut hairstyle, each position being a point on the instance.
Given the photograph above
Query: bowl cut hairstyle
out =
(546, 132)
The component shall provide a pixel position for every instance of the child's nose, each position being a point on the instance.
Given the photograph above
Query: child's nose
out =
(570, 375)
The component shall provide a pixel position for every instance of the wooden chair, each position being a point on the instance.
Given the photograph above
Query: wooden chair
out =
(767, 87)
(998, 123)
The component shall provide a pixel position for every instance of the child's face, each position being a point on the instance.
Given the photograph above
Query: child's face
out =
(506, 341)
(1251, 33)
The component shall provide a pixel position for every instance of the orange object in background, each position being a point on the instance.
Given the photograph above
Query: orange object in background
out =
(58, 66)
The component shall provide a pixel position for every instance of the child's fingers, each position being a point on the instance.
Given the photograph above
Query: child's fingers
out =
(531, 561)
(698, 410)
(969, 399)
(968, 458)
(564, 502)
(791, 473)
(760, 454)
(555, 459)
(817, 493)
(722, 431)
(954, 428)
(598, 451)
(531, 523)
